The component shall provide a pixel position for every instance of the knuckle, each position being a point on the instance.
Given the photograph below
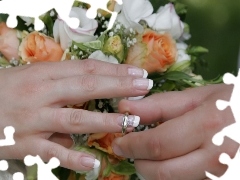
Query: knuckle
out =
(69, 159)
(58, 117)
(154, 148)
(105, 120)
(119, 70)
(53, 152)
(89, 82)
(75, 117)
(89, 66)
(216, 122)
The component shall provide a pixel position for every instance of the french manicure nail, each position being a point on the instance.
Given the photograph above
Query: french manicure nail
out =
(90, 162)
(135, 98)
(138, 72)
(133, 121)
(143, 84)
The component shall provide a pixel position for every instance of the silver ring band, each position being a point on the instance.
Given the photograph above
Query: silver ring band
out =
(125, 123)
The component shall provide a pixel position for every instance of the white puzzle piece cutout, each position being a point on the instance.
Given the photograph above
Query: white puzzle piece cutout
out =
(3, 165)
(9, 140)
(44, 171)
(101, 4)
(232, 131)
(18, 176)
(36, 8)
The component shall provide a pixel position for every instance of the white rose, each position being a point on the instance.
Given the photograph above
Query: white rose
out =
(85, 32)
(99, 55)
(166, 20)
(182, 55)
(133, 11)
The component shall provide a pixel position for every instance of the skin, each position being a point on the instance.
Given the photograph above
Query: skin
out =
(33, 98)
(181, 147)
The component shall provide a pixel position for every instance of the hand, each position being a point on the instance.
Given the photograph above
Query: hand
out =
(32, 100)
(181, 147)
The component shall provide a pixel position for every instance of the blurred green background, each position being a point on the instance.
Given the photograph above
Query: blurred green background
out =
(214, 24)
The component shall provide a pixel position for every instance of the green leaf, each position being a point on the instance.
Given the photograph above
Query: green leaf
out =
(197, 50)
(4, 62)
(3, 17)
(102, 38)
(89, 46)
(48, 21)
(180, 66)
(32, 172)
(177, 76)
(96, 45)
(108, 168)
(124, 168)
(181, 9)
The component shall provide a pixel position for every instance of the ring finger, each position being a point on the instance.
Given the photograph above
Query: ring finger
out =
(67, 120)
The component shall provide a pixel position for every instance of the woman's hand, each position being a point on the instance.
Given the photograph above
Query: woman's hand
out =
(181, 147)
(32, 100)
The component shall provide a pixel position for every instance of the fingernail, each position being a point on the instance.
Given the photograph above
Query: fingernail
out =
(90, 162)
(143, 84)
(133, 121)
(116, 149)
(138, 72)
(135, 98)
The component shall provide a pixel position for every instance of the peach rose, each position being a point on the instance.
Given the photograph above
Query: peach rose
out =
(37, 47)
(154, 52)
(103, 141)
(9, 42)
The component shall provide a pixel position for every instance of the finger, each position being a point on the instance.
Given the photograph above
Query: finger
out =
(164, 106)
(63, 139)
(191, 166)
(70, 159)
(59, 70)
(79, 121)
(84, 88)
(170, 139)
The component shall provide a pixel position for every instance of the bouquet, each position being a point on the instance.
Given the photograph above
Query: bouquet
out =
(154, 41)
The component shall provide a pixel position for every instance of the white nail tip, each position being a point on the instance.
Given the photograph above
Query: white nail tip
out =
(145, 73)
(136, 121)
(135, 98)
(96, 164)
(150, 85)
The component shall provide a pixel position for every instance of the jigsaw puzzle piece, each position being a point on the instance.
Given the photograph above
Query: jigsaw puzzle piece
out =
(8, 141)
(224, 159)
(222, 105)
(101, 4)
(229, 78)
(64, 14)
(232, 172)
(18, 176)
(230, 131)
(3, 165)
(44, 171)
(212, 177)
